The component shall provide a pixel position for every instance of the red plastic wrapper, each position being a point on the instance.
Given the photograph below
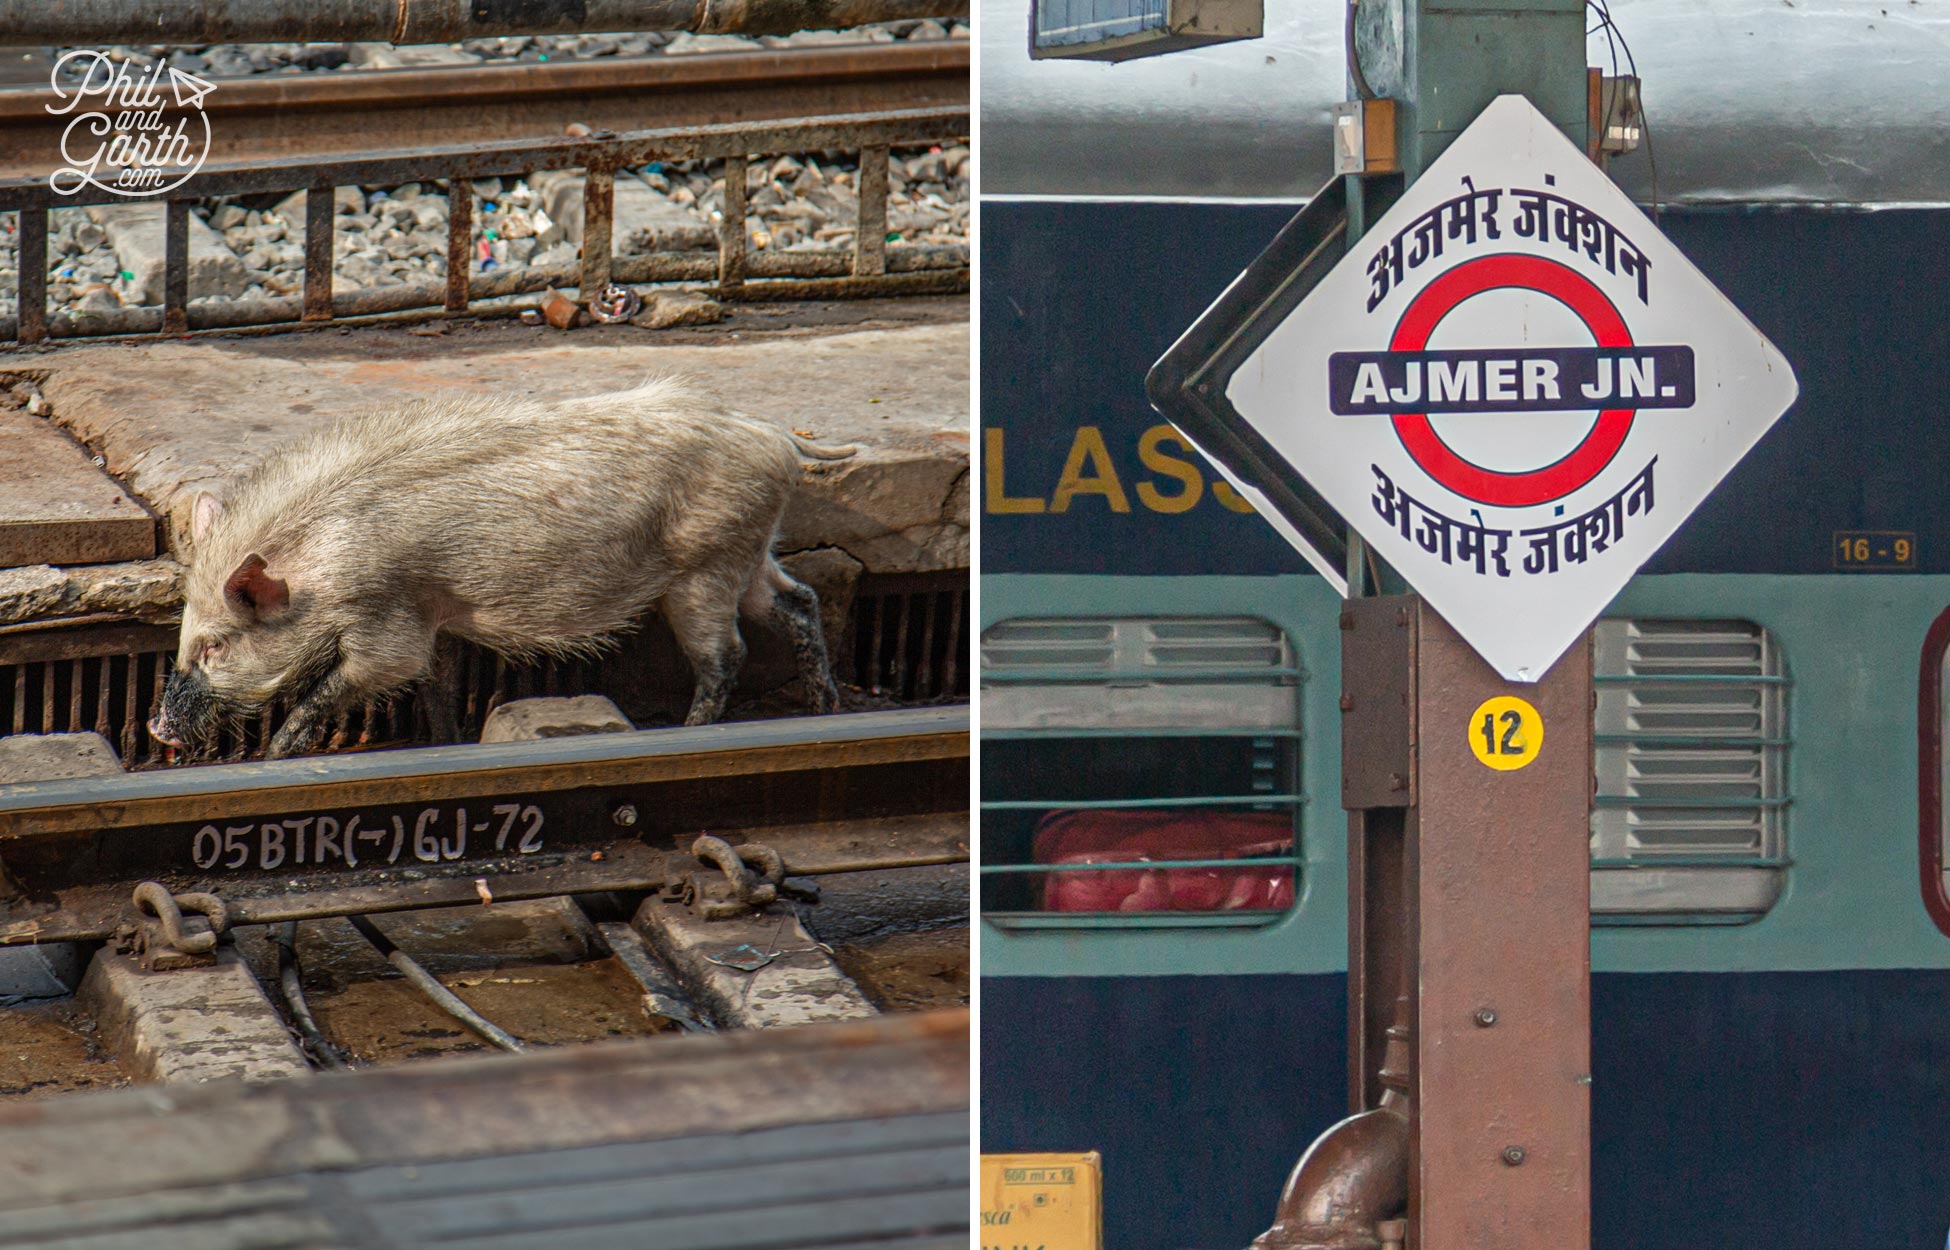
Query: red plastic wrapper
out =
(1110, 837)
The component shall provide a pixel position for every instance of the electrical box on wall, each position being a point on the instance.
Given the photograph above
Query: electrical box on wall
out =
(1123, 30)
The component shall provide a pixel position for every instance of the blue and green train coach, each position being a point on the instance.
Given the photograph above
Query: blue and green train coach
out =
(1771, 906)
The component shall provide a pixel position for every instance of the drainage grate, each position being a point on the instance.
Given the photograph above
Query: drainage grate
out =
(909, 635)
(905, 638)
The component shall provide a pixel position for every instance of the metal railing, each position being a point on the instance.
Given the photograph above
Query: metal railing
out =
(871, 268)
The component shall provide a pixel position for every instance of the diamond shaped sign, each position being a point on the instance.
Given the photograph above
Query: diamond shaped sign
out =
(1513, 388)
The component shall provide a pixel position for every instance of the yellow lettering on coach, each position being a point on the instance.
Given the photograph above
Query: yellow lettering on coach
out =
(995, 493)
(1223, 492)
(1157, 461)
(1089, 447)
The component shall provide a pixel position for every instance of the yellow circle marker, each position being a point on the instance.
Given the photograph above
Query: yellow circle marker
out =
(1505, 733)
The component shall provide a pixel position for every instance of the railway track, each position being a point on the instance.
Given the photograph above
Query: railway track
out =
(635, 883)
(282, 117)
(438, 826)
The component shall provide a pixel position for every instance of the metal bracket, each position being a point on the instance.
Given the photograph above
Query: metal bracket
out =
(1364, 137)
(733, 890)
(165, 938)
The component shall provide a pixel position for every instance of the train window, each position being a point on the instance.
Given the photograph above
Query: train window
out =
(1933, 772)
(1139, 771)
(1691, 754)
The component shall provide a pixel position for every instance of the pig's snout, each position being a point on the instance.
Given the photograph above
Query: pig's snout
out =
(162, 731)
(187, 712)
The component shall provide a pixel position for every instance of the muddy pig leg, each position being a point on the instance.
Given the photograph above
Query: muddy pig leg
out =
(792, 608)
(310, 718)
(703, 613)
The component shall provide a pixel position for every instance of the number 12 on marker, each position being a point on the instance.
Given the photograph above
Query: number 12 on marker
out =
(1512, 722)
(1505, 733)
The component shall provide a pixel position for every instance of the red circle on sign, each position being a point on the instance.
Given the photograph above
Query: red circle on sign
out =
(1585, 461)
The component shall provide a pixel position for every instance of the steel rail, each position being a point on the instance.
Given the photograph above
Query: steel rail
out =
(440, 826)
(483, 160)
(433, 21)
(36, 810)
(279, 116)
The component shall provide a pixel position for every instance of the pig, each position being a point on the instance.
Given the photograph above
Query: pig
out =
(340, 569)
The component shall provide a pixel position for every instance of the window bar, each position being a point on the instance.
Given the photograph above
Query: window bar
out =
(32, 323)
(951, 661)
(1718, 679)
(74, 696)
(1728, 859)
(1146, 865)
(321, 204)
(176, 267)
(870, 241)
(598, 218)
(47, 696)
(1037, 676)
(130, 713)
(1683, 802)
(731, 228)
(103, 725)
(930, 609)
(879, 633)
(470, 681)
(1192, 800)
(899, 685)
(460, 243)
(1701, 741)
(1137, 731)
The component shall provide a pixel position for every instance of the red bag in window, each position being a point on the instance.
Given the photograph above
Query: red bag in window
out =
(1111, 837)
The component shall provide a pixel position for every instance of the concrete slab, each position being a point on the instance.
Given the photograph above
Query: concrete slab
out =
(662, 995)
(58, 506)
(786, 977)
(643, 218)
(189, 1024)
(54, 969)
(176, 417)
(408, 56)
(136, 231)
(528, 720)
(56, 757)
(147, 590)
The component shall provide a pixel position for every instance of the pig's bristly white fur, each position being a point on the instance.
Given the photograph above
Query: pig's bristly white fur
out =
(532, 527)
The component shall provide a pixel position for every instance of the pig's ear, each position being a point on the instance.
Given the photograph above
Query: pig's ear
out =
(252, 589)
(208, 509)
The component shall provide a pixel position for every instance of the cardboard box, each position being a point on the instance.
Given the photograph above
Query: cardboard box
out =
(1042, 1202)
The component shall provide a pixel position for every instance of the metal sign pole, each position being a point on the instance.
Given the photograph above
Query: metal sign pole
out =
(1469, 927)
(1469, 884)
(1326, 378)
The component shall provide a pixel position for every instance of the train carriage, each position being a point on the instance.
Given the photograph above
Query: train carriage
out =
(1770, 931)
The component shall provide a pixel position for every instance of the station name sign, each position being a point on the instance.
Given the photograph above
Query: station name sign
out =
(1513, 388)
(1538, 379)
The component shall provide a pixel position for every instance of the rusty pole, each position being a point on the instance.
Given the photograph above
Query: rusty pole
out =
(1469, 957)
(1468, 887)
